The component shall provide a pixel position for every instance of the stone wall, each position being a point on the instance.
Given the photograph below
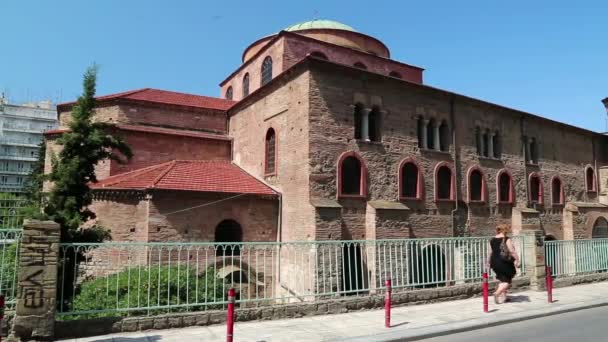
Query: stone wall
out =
(123, 213)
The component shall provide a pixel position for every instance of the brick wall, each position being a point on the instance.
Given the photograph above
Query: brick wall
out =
(151, 149)
(257, 216)
(124, 214)
(284, 108)
(123, 112)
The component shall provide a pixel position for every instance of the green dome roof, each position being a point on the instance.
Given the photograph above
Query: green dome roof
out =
(319, 24)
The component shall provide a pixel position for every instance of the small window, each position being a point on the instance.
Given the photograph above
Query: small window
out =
(395, 74)
(270, 159)
(533, 151)
(536, 190)
(266, 70)
(430, 135)
(557, 191)
(497, 144)
(486, 144)
(319, 54)
(358, 117)
(374, 121)
(443, 183)
(360, 66)
(590, 179)
(476, 186)
(351, 176)
(246, 85)
(410, 181)
(478, 141)
(505, 188)
(444, 136)
(421, 133)
(229, 93)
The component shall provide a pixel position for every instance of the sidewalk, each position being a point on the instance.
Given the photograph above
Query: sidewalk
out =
(408, 323)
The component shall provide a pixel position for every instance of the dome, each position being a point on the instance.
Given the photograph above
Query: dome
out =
(319, 24)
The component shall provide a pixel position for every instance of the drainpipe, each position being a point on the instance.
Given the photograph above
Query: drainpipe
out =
(279, 237)
(595, 170)
(523, 153)
(456, 168)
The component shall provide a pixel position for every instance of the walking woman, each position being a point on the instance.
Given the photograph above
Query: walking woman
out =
(503, 260)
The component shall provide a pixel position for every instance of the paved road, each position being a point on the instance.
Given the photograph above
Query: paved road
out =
(580, 326)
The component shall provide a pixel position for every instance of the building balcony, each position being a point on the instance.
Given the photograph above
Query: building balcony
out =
(14, 171)
(24, 129)
(18, 157)
(19, 142)
(11, 187)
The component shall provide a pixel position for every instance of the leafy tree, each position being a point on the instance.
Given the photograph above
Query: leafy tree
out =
(33, 187)
(85, 145)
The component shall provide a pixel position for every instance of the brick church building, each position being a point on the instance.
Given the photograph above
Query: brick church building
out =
(320, 135)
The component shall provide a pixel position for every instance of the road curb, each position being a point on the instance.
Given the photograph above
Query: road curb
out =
(464, 326)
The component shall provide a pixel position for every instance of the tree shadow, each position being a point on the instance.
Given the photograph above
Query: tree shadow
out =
(519, 299)
(131, 339)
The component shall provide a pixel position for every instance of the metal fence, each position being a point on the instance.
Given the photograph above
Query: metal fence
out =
(10, 240)
(11, 212)
(577, 257)
(110, 279)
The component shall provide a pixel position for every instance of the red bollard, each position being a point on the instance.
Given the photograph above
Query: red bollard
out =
(549, 285)
(485, 291)
(1, 314)
(387, 305)
(230, 317)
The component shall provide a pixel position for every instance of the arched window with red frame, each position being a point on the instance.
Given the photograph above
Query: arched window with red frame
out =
(444, 182)
(352, 176)
(535, 191)
(504, 187)
(590, 179)
(270, 158)
(410, 180)
(557, 191)
(476, 185)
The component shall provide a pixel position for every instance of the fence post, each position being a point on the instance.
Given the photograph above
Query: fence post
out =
(37, 286)
(549, 285)
(230, 315)
(2, 303)
(534, 256)
(387, 304)
(485, 291)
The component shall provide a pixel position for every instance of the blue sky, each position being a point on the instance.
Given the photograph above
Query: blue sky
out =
(545, 57)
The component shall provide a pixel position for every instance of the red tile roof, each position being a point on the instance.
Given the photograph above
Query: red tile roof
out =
(165, 97)
(189, 175)
(157, 130)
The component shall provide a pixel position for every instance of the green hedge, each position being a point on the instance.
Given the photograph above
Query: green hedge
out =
(143, 287)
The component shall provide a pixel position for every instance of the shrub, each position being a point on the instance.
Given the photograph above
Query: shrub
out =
(148, 287)
(8, 265)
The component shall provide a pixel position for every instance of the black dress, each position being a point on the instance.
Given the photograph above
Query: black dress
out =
(504, 269)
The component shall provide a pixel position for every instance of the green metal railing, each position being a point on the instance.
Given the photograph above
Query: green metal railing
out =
(576, 257)
(10, 240)
(110, 279)
(11, 212)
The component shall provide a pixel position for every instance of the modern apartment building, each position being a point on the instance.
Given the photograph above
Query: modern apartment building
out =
(21, 128)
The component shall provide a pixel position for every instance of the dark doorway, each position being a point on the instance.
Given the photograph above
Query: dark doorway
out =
(228, 231)
(429, 267)
(600, 229)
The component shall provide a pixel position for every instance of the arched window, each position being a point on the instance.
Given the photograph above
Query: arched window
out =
(444, 136)
(360, 65)
(477, 186)
(497, 144)
(228, 231)
(410, 180)
(358, 116)
(229, 93)
(536, 189)
(246, 85)
(266, 70)
(270, 153)
(430, 134)
(557, 191)
(351, 176)
(395, 74)
(319, 54)
(444, 183)
(600, 229)
(590, 179)
(504, 187)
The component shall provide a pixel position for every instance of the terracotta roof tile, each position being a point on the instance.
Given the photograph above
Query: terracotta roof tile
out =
(165, 97)
(158, 130)
(189, 175)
